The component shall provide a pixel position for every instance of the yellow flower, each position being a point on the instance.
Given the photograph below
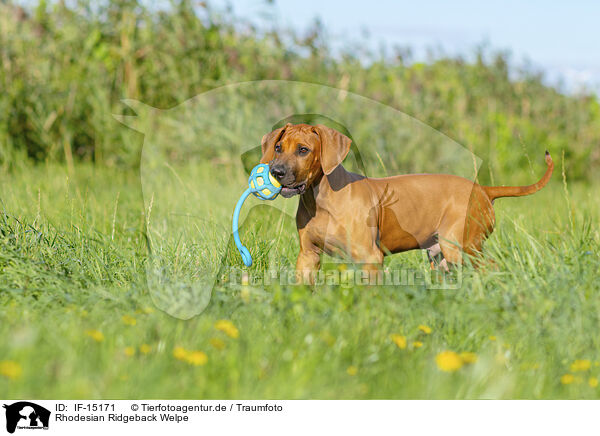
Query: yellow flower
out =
(593, 382)
(352, 370)
(145, 348)
(228, 328)
(425, 329)
(180, 353)
(567, 379)
(217, 343)
(95, 335)
(10, 369)
(129, 320)
(399, 340)
(448, 361)
(417, 344)
(468, 357)
(129, 351)
(581, 365)
(492, 338)
(196, 358)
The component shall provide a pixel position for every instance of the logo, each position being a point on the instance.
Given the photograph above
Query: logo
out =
(26, 415)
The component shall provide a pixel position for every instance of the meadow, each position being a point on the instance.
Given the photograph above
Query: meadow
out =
(77, 320)
(85, 201)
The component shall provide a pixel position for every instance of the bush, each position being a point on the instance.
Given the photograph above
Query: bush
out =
(64, 69)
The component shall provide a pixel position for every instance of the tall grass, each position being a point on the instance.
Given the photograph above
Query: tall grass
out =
(64, 67)
(78, 320)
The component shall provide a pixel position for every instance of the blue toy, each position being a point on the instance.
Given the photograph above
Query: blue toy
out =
(264, 186)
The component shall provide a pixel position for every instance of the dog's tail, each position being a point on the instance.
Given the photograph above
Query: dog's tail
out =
(494, 192)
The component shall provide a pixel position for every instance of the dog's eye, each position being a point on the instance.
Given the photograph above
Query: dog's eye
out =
(302, 150)
(278, 148)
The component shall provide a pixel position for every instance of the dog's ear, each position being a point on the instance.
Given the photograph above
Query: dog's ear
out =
(268, 142)
(334, 147)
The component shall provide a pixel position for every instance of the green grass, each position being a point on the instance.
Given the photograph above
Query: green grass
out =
(74, 238)
(73, 258)
(66, 66)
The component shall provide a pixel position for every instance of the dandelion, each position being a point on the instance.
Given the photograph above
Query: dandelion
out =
(95, 335)
(128, 320)
(492, 338)
(180, 353)
(196, 358)
(399, 340)
(228, 328)
(10, 369)
(352, 370)
(567, 379)
(448, 361)
(144, 310)
(593, 382)
(417, 344)
(129, 351)
(145, 348)
(468, 357)
(217, 343)
(581, 365)
(425, 329)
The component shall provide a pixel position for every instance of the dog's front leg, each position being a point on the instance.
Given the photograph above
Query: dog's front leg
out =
(309, 260)
(307, 266)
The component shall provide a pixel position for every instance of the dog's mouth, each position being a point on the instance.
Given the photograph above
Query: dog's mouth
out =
(290, 191)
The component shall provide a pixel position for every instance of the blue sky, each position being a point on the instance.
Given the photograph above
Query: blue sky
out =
(560, 38)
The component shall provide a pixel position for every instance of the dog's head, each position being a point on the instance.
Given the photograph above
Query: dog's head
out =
(298, 154)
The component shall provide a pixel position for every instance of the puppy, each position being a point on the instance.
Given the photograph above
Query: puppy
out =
(363, 219)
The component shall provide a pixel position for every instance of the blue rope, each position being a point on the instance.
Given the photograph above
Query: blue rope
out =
(246, 257)
(263, 186)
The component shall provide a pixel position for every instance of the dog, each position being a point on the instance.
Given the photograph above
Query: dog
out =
(363, 219)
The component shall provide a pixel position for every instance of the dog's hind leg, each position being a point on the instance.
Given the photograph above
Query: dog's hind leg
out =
(436, 257)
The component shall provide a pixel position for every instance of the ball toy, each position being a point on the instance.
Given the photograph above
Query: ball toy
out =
(263, 185)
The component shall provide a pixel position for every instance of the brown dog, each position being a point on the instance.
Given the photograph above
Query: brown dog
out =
(341, 213)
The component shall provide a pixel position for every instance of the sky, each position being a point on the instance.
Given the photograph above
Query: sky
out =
(559, 38)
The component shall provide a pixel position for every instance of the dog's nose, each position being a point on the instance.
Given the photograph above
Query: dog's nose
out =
(278, 172)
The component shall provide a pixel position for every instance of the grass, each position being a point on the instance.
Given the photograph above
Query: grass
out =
(78, 320)
(84, 308)
(66, 66)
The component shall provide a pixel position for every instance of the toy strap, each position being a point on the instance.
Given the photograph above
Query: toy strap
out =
(246, 257)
